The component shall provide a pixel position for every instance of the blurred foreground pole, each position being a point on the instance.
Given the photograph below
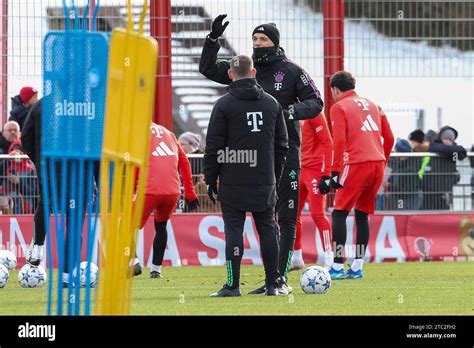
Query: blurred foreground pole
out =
(333, 16)
(160, 29)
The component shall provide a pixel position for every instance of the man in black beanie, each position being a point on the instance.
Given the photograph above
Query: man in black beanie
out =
(294, 89)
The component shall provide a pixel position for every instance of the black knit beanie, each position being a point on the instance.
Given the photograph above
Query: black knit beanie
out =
(269, 29)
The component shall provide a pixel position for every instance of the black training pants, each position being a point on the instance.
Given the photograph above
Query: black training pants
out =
(287, 211)
(234, 220)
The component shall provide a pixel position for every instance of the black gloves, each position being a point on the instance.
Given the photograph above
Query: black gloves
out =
(217, 27)
(335, 180)
(324, 185)
(193, 204)
(212, 192)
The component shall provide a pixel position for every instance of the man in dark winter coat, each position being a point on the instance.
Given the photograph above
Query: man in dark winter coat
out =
(246, 146)
(444, 174)
(294, 89)
(438, 174)
(31, 141)
(404, 183)
(22, 103)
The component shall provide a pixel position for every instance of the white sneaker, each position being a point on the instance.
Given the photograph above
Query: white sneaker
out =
(296, 264)
(35, 255)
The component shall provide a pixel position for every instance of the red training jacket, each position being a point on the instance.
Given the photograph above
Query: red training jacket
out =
(358, 127)
(166, 155)
(316, 146)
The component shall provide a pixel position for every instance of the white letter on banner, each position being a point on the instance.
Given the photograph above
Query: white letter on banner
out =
(253, 253)
(171, 251)
(212, 242)
(15, 230)
(388, 228)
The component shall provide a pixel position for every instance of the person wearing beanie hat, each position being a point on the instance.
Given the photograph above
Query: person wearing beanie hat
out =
(270, 30)
(300, 99)
(28, 95)
(448, 136)
(440, 174)
(190, 142)
(22, 103)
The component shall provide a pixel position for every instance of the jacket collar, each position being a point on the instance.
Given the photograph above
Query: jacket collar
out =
(243, 82)
(347, 94)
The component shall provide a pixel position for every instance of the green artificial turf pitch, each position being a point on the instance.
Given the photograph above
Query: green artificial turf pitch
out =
(412, 288)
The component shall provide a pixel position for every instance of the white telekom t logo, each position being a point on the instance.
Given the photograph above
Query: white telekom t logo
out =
(362, 103)
(254, 119)
(157, 131)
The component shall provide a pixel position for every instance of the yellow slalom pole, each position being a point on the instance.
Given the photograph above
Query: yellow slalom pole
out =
(129, 107)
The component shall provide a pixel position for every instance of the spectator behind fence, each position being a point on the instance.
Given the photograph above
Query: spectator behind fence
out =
(22, 103)
(10, 133)
(190, 142)
(21, 180)
(404, 183)
(438, 174)
(431, 135)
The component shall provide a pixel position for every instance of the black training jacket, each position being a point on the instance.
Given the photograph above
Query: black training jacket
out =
(18, 112)
(248, 120)
(284, 80)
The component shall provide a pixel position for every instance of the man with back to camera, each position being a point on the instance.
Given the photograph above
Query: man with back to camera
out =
(294, 89)
(248, 121)
(358, 167)
(22, 104)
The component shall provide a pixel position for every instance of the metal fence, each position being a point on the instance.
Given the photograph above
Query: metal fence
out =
(406, 186)
(406, 55)
(19, 187)
(413, 45)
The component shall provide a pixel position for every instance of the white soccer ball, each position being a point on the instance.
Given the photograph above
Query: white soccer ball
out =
(315, 280)
(94, 274)
(8, 259)
(32, 276)
(4, 275)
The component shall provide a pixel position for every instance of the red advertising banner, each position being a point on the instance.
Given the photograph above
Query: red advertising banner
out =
(198, 239)
(440, 237)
